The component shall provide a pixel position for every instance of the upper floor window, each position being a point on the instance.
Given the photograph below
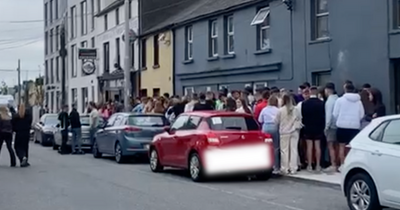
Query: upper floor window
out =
(396, 14)
(130, 9)
(229, 35)
(262, 22)
(73, 22)
(92, 15)
(45, 14)
(46, 43)
(46, 73)
(105, 22)
(73, 61)
(51, 11)
(84, 19)
(106, 56)
(320, 19)
(56, 9)
(188, 43)
(213, 40)
(117, 16)
(143, 54)
(57, 40)
(52, 35)
(156, 51)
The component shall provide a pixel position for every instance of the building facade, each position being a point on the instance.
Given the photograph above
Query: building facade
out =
(55, 15)
(258, 43)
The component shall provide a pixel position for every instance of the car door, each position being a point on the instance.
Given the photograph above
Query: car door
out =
(169, 142)
(183, 138)
(38, 129)
(102, 134)
(113, 133)
(386, 162)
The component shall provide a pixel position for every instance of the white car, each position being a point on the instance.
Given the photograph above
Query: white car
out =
(371, 172)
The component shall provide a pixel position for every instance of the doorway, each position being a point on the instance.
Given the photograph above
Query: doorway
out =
(395, 83)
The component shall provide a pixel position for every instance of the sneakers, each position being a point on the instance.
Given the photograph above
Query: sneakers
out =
(25, 163)
(331, 169)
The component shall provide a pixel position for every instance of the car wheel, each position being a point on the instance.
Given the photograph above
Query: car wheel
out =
(119, 157)
(155, 164)
(43, 142)
(264, 176)
(361, 193)
(196, 168)
(55, 146)
(95, 150)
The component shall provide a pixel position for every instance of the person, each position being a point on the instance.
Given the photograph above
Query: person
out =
(368, 105)
(76, 129)
(64, 124)
(242, 107)
(210, 99)
(267, 120)
(140, 107)
(230, 104)
(21, 124)
(288, 120)
(261, 104)
(330, 125)
(194, 100)
(379, 109)
(158, 107)
(348, 112)
(220, 103)
(202, 105)
(6, 130)
(313, 115)
(366, 87)
(93, 121)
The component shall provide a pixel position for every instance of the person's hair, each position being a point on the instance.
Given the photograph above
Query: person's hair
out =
(265, 95)
(230, 104)
(302, 87)
(376, 96)
(349, 88)
(348, 82)
(245, 106)
(306, 84)
(195, 97)
(4, 113)
(92, 104)
(367, 104)
(221, 94)
(259, 90)
(202, 96)
(314, 90)
(21, 110)
(248, 90)
(166, 95)
(234, 91)
(273, 101)
(287, 101)
(366, 85)
(158, 107)
(274, 91)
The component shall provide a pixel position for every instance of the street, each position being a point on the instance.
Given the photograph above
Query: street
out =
(72, 182)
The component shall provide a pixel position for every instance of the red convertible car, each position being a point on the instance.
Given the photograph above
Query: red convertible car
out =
(213, 143)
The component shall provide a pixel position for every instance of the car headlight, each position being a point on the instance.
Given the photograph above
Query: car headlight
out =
(69, 134)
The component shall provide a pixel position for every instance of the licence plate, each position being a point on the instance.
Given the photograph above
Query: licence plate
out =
(146, 146)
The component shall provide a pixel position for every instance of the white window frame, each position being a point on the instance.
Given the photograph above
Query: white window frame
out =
(229, 34)
(264, 27)
(84, 19)
(189, 42)
(318, 16)
(208, 88)
(220, 87)
(256, 20)
(214, 37)
(187, 90)
(258, 84)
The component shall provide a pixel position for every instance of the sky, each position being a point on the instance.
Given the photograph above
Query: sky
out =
(21, 37)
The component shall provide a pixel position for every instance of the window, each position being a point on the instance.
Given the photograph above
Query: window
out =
(106, 54)
(73, 22)
(189, 43)
(105, 22)
(46, 10)
(56, 9)
(84, 98)
(73, 61)
(133, 55)
(84, 44)
(259, 85)
(117, 16)
(144, 60)
(98, 5)
(147, 121)
(392, 133)
(93, 42)
(130, 9)
(51, 11)
(93, 98)
(57, 40)
(229, 35)
(58, 100)
(180, 122)
(46, 73)
(233, 123)
(92, 15)
(51, 71)
(57, 69)
(262, 22)
(84, 18)
(188, 91)
(52, 35)
(118, 50)
(46, 43)
(213, 40)
(156, 92)
(321, 78)
(192, 123)
(321, 21)
(143, 92)
(74, 96)
(377, 133)
(111, 120)
(52, 102)
(156, 51)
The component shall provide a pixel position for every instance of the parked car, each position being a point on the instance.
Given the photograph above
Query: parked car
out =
(214, 143)
(126, 135)
(85, 138)
(43, 131)
(370, 173)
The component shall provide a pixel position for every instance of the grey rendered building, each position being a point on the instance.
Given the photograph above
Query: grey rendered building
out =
(238, 43)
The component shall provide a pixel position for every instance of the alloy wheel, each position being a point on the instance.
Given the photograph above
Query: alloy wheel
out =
(194, 167)
(118, 153)
(360, 195)
(153, 160)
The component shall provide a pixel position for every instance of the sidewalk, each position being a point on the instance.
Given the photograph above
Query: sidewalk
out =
(332, 179)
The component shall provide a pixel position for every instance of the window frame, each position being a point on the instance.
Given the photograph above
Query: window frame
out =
(106, 57)
(143, 54)
(213, 38)
(263, 9)
(52, 35)
(73, 22)
(118, 50)
(189, 42)
(84, 19)
(229, 35)
(74, 70)
(262, 26)
(117, 22)
(186, 90)
(318, 16)
(105, 22)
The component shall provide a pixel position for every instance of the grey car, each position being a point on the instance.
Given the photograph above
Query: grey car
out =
(127, 135)
(85, 138)
(43, 131)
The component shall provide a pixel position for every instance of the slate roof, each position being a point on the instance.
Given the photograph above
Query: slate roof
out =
(197, 11)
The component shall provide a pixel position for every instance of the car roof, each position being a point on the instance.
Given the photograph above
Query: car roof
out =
(139, 114)
(215, 113)
(388, 117)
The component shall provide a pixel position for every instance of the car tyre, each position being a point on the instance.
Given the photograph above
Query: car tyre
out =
(155, 164)
(264, 176)
(43, 142)
(55, 146)
(196, 168)
(119, 156)
(359, 188)
(95, 150)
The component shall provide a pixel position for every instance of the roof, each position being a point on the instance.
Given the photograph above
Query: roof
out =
(140, 114)
(215, 113)
(116, 4)
(200, 10)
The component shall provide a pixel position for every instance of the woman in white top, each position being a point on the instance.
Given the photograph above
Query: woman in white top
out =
(242, 107)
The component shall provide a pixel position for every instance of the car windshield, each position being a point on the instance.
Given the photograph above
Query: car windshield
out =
(51, 120)
(239, 123)
(85, 121)
(147, 121)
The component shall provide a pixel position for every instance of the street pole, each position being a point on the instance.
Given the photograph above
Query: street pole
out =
(19, 81)
(63, 54)
(127, 69)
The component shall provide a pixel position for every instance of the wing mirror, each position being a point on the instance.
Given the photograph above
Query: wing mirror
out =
(58, 125)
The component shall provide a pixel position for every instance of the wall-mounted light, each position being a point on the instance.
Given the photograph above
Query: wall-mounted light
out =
(289, 4)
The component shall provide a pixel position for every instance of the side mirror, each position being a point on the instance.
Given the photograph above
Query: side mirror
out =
(41, 123)
(58, 125)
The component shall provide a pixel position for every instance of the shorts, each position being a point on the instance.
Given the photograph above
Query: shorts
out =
(331, 135)
(345, 135)
(313, 135)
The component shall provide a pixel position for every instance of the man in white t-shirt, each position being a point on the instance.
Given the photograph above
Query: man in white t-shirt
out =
(93, 121)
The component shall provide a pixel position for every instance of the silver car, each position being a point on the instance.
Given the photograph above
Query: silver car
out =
(43, 131)
(85, 138)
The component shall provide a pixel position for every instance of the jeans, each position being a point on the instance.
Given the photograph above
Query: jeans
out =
(21, 144)
(76, 139)
(92, 133)
(7, 137)
(272, 129)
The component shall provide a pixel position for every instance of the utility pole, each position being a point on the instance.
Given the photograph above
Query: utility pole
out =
(63, 54)
(19, 81)
(127, 69)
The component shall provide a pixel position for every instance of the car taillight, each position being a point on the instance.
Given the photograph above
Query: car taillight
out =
(132, 129)
(267, 138)
(213, 139)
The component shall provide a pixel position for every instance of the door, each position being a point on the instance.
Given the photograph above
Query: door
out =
(169, 141)
(395, 84)
(113, 134)
(386, 159)
(102, 134)
(184, 137)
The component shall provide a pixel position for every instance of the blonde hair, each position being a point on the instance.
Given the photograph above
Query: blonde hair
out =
(21, 110)
(4, 113)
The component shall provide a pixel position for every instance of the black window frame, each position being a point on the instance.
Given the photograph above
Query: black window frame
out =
(156, 52)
